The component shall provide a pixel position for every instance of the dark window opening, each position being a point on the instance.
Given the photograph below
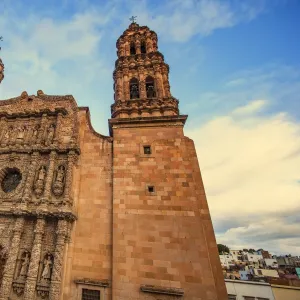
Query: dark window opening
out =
(134, 89)
(151, 189)
(147, 149)
(143, 47)
(132, 49)
(150, 90)
(88, 294)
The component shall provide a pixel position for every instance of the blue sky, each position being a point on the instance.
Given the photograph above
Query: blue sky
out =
(234, 66)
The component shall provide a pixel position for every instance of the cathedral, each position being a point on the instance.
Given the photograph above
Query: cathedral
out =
(85, 216)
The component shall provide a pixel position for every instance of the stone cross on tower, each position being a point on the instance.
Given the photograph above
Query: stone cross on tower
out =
(1, 65)
(132, 19)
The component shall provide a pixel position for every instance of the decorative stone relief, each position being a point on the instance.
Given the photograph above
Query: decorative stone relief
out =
(59, 180)
(47, 268)
(40, 181)
(24, 265)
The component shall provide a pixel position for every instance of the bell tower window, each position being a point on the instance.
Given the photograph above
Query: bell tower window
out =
(134, 89)
(143, 47)
(150, 90)
(132, 49)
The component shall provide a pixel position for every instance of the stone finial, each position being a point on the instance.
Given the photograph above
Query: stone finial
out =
(40, 93)
(24, 95)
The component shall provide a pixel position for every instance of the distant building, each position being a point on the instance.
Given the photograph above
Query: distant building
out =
(269, 263)
(226, 260)
(248, 290)
(264, 253)
(251, 257)
(282, 292)
(264, 273)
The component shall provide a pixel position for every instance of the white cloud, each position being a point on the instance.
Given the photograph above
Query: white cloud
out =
(180, 20)
(250, 170)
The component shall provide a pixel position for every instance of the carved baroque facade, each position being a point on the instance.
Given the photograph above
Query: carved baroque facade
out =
(85, 216)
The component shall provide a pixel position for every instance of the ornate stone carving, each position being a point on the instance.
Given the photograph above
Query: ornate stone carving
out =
(59, 180)
(62, 230)
(50, 135)
(144, 105)
(11, 260)
(18, 287)
(40, 181)
(47, 268)
(24, 265)
(32, 273)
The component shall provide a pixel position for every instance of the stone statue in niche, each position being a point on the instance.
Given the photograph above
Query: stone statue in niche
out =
(20, 134)
(40, 181)
(6, 135)
(47, 268)
(34, 135)
(50, 135)
(59, 181)
(24, 266)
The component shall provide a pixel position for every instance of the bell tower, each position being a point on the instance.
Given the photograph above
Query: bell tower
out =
(141, 77)
(163, 239)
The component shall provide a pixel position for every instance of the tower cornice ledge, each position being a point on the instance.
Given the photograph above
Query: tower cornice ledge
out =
(162, 121)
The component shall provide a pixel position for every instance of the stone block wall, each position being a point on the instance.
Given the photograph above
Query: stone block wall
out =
(163, 236)
(89, 252)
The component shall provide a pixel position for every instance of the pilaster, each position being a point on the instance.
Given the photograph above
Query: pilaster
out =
(30, 176)
(34, 260)
(62, 230)
(12, 258)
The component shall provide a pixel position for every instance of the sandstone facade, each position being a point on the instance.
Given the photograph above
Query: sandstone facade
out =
(86, 216)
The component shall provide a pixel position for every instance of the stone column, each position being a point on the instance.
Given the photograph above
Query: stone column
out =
(50, 171)
(126, 91)
(142, 83)
(41, 134)
(69, 177)
(33, 269)
(62, 230)
(12, 258)
(138, 47)
(158, 79)
(2, 128)
(30, 176)
(166, 84)
(119, 91)
(57, 128)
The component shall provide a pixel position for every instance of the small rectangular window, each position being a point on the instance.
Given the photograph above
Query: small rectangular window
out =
(151, 189)
(249, 298)
(147, 149)
(231, 297)
(88, 294)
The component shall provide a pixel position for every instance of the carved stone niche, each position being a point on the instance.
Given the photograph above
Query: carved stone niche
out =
(10, 181)
(45, 273)
(21, 273)
(39, 182)
(59, 180)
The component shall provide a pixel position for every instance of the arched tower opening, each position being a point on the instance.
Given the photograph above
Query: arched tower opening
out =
(134, 88)
(150, 87)
(132, 48)
(143, 47)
